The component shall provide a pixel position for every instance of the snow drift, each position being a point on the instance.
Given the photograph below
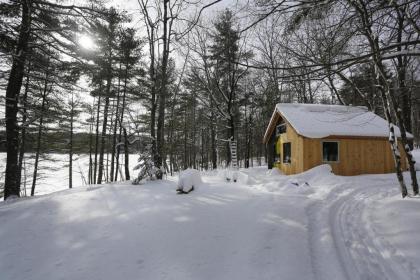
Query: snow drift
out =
(188, 179)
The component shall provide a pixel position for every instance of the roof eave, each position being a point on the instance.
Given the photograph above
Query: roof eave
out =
(270, 127)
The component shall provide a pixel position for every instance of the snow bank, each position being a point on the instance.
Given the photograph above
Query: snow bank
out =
(306, 182)
(240, 177)
(303, 183)
(274, 172)
(245, 178)
(189, 178)
(316, 174)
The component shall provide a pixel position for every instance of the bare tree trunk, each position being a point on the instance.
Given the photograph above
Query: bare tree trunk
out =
(38, 145)
(162, 91)
(151, 28)
(126, 156)
(121, 119)
(385, 95)
(71, 143)
(193, 136)
(334, 89)
(114, 134)
(404, 115)
(172, 116)
(185, 140)
(202, 149)
(388, 100)
(90, 173)
(23, 130)
(95, 166)
(213, 137)
(11, 186)
(107, 161)
(248, 142)
(103, 135)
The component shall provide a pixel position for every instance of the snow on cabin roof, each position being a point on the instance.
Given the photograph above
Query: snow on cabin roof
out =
(319, 121)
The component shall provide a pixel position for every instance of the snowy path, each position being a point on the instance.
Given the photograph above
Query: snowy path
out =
(349, 246)
(149, 232)
(263, 227)
(372, 256)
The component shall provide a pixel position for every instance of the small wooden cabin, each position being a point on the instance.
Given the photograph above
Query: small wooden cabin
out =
(351, 139)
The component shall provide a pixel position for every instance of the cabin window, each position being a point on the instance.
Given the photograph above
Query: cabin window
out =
(330, 151)
(280, 129)
(287, 152)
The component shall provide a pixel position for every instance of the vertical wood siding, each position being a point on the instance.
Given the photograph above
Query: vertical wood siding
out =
(356, 155)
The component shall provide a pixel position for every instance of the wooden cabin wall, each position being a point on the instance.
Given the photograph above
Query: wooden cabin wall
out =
(297, 163)
(356, 156)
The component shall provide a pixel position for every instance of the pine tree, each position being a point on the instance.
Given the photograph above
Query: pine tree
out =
(129, 57)
(227, 74)
(55, 25)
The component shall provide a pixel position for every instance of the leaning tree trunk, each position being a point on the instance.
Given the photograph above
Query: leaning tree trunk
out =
(405, 143)
(333, 88)
(71, 143)
(11, 186)
(103, 135)
(384, 89)
(23, 130)
(404, 115)
(104, 122)
(120, 122)
(393, 139)
(114, 132)
(38, 145)
(95, 165)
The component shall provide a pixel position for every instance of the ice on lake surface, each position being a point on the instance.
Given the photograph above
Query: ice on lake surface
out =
(54, 173)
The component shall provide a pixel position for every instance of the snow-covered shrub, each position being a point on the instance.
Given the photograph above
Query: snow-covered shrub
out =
(146, 164)
(188, 179)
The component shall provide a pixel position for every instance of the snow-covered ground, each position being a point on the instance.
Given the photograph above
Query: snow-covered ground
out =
(266, 226)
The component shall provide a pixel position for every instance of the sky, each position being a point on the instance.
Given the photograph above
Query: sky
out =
(132, 8)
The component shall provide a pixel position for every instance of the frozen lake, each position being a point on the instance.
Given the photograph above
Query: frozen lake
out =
(53, 173)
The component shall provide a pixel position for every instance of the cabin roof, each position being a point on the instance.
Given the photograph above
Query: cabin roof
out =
(320, 121)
